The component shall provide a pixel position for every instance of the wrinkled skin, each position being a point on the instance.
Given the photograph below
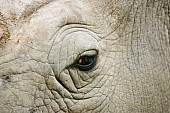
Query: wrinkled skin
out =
(42, 40)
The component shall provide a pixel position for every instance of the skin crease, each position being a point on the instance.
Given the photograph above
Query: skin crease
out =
(44, 39)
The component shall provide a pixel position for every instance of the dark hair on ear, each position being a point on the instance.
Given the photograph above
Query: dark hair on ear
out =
(4, 31)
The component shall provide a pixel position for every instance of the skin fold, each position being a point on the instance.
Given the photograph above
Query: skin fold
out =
(41, 41)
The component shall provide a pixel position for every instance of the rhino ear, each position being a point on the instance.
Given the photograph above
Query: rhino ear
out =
(4, 31)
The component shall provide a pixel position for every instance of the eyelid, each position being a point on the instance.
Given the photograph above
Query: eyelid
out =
(88, 53)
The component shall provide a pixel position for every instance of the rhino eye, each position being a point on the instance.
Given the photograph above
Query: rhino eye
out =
(86, 63)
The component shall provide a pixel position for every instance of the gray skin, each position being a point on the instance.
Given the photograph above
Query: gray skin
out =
(42, 41)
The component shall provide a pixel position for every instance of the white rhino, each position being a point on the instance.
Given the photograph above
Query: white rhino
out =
(85, 56)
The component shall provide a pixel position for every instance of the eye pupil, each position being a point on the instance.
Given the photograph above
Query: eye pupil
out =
(86, 63)
(85, 60)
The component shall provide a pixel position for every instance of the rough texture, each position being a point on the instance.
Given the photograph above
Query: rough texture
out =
(131, 39)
